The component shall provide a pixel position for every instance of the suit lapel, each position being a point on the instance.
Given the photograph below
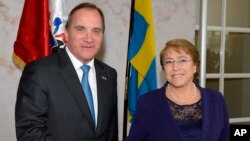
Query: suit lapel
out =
(100, 79)
(206, 114)
(71, 81)
(167, 116)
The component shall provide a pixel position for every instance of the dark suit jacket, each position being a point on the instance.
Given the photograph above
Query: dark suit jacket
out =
(154, 120)
(51, 105)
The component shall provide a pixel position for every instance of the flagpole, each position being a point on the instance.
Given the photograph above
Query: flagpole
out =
(125, 113)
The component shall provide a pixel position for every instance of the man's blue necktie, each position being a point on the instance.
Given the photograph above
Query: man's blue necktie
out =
(87, 90)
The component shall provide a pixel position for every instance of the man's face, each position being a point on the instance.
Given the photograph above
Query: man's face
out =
(85, 34)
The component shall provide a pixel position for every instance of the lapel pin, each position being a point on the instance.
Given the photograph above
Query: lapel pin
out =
(103, 77)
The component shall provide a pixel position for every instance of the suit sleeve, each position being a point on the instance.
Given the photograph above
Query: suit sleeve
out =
(225, 135)
(31, 107)
(138, 129)
(113, 134)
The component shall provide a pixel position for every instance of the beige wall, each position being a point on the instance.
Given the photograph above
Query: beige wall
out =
(173, 19)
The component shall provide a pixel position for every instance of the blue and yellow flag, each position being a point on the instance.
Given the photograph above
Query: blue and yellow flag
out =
(141, 55)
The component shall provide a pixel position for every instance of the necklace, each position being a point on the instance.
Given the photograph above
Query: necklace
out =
(183, 101)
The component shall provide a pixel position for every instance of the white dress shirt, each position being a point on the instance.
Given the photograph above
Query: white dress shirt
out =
(92, 77)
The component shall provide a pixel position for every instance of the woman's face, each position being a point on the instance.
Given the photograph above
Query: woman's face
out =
(179, 68)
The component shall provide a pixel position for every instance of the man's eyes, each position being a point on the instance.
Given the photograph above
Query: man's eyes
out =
(97, 30)
(79, 28)
(82, 29)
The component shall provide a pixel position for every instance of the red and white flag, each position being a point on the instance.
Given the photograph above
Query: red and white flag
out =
(58, 19)
(34, 37)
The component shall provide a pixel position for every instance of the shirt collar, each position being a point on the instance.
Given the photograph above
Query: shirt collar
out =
(76, 63)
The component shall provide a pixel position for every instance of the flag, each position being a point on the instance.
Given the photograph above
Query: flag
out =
(141, 55)
(32, 38)
(58, 19)
(34, 35)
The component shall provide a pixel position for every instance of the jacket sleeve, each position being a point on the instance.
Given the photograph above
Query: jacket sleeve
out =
(31, 107)
(138, 129)
(225, 134)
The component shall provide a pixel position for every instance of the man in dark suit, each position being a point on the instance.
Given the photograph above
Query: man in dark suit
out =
(52, 104)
